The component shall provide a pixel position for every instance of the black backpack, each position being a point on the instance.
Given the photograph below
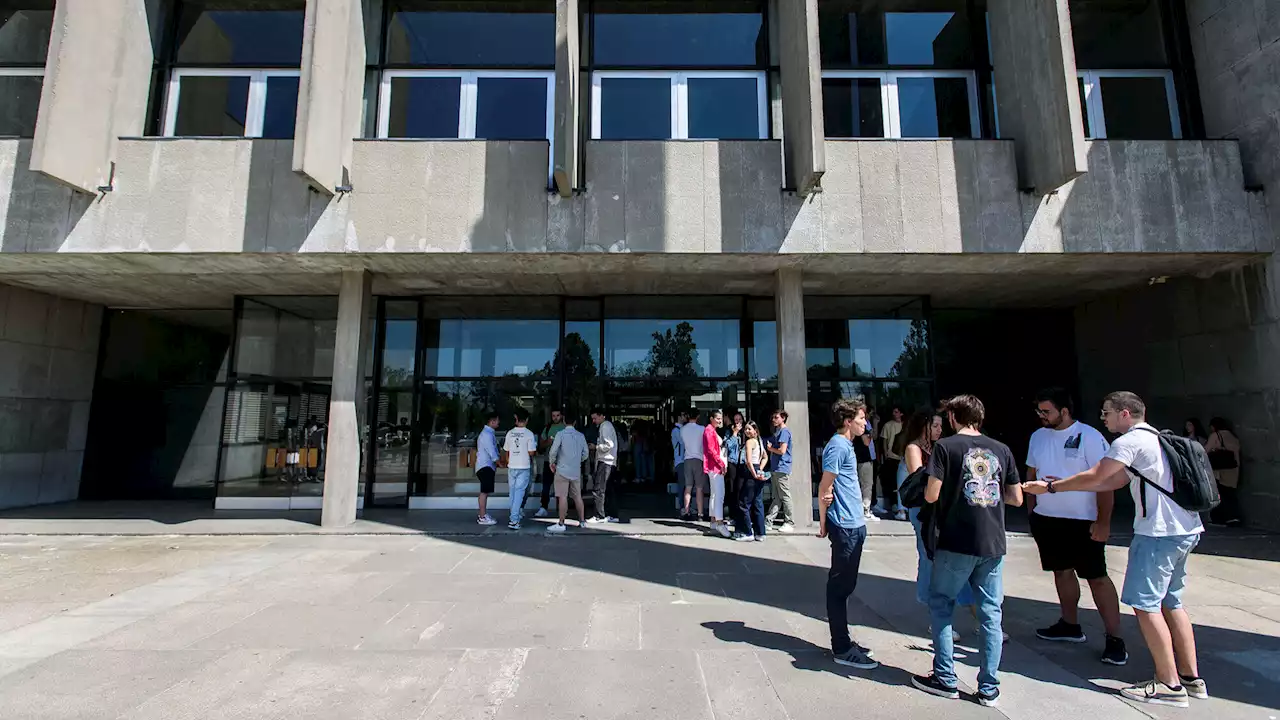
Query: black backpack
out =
(1194, 487)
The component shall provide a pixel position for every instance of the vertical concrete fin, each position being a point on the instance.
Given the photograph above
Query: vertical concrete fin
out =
(1037, 91)
(96, 81)
(330, 91)
(803, 152)
(568, 114)
(793, 386)
(346, 402)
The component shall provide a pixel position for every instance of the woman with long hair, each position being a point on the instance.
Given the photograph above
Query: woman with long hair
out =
(1194, 430)
(1223, 448)
(750, 502)
(735, 472)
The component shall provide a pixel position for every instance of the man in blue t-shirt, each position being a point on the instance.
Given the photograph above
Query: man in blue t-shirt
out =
(778, 446)
(840, 519)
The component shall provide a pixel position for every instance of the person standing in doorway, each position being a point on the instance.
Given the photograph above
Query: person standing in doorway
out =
(606, 465)
(714, 465)
(695, 477)
(1164, 534)
(840, 519)
(1071, 528)
(862, 449)
(565, 458)
(889, 465)
(778, 446)
(1223, 448)
(518, 449)
(548, 437)
(971, 478)
(487, 459)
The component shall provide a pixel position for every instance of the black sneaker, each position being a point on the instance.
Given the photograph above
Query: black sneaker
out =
(991, 699)
(687, 517)
(1061, 631)
(855, 658)
(1115, 652)
(930, 684)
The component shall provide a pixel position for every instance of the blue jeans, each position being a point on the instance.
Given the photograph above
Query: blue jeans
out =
(1157, 572)
(951, 573)
(846, 557)
(518, 481)
(751, 504)
(924, 566)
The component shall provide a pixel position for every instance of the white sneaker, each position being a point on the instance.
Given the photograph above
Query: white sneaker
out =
(542, 512)
(612, 519)
(486, 520)
(901, 515)
(556, 529)
(787, 528)
(723, 530)
(593, 520)
(873, 518)
(513, 525)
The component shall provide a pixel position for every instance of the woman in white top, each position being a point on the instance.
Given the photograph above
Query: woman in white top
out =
(749, 500)
(1223, 448)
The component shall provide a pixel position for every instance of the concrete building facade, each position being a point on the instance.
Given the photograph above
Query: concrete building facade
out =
(308, 242)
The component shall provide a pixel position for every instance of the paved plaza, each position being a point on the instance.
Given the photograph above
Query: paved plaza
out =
(651, 620)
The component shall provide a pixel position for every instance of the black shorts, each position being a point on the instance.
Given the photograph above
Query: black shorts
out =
(486, 476)
(1065, 544)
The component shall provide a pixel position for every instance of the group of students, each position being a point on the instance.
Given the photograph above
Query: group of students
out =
(959, 518)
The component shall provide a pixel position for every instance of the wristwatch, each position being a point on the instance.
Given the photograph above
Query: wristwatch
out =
(1049, 485)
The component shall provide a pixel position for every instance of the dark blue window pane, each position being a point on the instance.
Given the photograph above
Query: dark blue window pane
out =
(734, 37)
(934, 107)
(212, 106)
(635, 108)
(268, 37)
(526, 38)
(424, 107)
(851, 107)
(1084, 109)
(24, 34)
(511, 108)
(282, 107)
(1136, 108)
(925, 38)
(851, 35)
(1118, 35)
(724, 108)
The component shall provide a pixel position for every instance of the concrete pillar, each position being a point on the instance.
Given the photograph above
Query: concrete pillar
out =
(330, 92)
(568, 110)
(804, 156)
(1037, 93)
(96, 79)
(793, 387)
(346, 401)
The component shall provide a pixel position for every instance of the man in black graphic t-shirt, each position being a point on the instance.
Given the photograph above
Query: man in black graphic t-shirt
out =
(971, 478)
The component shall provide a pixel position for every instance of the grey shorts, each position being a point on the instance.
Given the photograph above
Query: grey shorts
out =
(694, 475)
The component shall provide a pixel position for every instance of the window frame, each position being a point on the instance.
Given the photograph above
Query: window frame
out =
(255, 106)
(679, 80)
(1095, 111)
(468, 95)
(889, 103)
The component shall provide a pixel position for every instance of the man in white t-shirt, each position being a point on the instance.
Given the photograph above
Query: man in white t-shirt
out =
(518, 450)
(1071, 528)
(696, 481)
(1163, 537)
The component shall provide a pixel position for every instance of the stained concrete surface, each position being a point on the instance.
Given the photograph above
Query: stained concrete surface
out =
(494, 624)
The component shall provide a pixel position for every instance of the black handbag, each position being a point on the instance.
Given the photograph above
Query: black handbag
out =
(1222, 458)
(911, 491)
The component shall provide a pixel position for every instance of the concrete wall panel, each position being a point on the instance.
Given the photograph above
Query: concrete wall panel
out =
(803, 131)
(330, 91)
(568, 110)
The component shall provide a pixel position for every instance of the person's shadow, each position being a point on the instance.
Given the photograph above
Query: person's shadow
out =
(804, 654)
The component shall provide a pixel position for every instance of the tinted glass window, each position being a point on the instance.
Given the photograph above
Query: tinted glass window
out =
(424, 107)
(267, 34)
(454, 34)
(851, 107)
(282, 107)
(710, 33)
(1136, 108)
(635, 108)
(212, 106)
(1084, 110)
(862, 33)
(724, 108)
(934, 107)
(24, 32)
(511, 108)
(1117, 34)
(19, 103)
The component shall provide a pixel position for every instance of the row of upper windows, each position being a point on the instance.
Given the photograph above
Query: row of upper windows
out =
(659, 68)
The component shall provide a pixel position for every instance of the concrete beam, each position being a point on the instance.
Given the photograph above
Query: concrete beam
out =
(1037, 92)
(96, 82)
(330, 92)
(568, 110)
(793, 387)
(804, 156)
(346, 403)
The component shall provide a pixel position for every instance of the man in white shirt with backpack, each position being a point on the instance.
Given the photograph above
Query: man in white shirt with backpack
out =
(1164, 534)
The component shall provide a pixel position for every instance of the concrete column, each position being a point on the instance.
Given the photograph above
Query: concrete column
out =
(346, 401)
(96, 79)
(1037, 93)
(568, 110)
(804, 155)
(330, 92)
(793, 387)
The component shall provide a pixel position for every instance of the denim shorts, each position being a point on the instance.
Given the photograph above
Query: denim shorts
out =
(1157, 571)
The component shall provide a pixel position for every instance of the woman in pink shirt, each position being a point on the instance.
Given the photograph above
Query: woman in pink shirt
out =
(713, 463)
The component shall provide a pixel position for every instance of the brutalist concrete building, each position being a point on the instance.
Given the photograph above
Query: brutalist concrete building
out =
(285, 254)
